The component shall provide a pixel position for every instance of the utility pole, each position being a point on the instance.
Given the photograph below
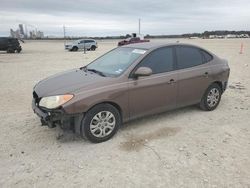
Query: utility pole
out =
(139, 26)
(64, 34)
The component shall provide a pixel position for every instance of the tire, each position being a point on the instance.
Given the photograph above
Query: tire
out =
(75, 48)
(100, 123)
(18, 50)
(211, 98)
(93, 48)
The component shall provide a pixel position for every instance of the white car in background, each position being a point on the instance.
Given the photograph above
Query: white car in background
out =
(88, 44)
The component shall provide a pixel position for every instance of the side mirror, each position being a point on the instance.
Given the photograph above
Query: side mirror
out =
(143, 71)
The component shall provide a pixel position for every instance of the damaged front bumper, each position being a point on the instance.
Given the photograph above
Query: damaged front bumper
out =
(68, 47)
(58, 117)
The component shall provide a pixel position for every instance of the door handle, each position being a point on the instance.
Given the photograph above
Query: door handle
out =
(171, 81)
(206, 74)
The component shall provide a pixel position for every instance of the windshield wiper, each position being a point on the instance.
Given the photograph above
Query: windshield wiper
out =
(96, 71)
(85, 69)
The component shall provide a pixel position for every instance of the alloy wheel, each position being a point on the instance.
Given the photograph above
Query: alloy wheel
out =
(213, 97)
(102, 124)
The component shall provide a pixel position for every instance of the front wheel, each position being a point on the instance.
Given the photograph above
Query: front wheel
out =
(75, 48)
(211, 98)
(10, 50)
(100, 123)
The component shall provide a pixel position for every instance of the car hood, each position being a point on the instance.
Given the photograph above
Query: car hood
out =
(72, 43)
(69, 82)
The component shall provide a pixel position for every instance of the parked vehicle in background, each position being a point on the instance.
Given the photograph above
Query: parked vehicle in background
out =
(88, 44)
(132, 40)
(130, 82)
(10, 45)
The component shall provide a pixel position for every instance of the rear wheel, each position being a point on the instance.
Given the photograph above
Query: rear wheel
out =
(19, 50)
(100, 123)
(93, 48)
(211, 98)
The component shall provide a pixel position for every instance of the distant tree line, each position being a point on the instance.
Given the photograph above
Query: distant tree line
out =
(205, 34)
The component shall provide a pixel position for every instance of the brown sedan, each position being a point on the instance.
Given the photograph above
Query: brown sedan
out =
(127, 83)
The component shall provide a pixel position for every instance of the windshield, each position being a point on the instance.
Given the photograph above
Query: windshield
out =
(116, 61)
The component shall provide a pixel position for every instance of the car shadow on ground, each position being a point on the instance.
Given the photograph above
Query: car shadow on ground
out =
(9, 54)
(137, 139)
(65, 136)
(3, 52)
(162, 116)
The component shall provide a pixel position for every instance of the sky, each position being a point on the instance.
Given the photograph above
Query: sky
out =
(116, 17)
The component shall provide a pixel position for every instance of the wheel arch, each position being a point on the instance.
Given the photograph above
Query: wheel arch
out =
(114, 104)
(219, 83)
(79, 119)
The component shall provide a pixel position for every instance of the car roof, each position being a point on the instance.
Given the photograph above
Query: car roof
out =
(153, 45)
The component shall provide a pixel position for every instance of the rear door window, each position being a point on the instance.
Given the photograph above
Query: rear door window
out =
(89, 41)
(160, 60)
(188, 57)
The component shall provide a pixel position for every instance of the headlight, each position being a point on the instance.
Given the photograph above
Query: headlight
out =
(54, 101)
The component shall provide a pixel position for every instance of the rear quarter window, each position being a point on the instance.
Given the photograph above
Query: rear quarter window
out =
(188, 57)
(206, 56)
(89, 41)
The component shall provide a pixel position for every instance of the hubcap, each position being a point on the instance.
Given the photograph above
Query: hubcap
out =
(102, 124)
(213, 97)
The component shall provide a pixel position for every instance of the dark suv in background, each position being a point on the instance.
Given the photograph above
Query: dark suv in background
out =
(10, 45)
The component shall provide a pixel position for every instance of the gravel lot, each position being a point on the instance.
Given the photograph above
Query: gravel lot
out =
(182, 148)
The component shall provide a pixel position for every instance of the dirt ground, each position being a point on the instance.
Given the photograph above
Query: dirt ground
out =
(182, 148)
